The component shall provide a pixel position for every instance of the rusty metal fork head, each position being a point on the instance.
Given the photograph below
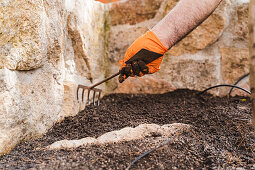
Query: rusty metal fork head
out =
(89, 89)
(95, 90)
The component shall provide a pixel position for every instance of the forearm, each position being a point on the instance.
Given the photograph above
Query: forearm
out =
(182, 19)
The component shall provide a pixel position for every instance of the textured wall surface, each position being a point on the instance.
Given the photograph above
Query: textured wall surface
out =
(214, 53)
(48, 47)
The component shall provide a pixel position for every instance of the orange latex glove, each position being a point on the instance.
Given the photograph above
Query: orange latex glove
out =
(144, 56)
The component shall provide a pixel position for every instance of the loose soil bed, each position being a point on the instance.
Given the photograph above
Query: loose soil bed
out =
(222, 136)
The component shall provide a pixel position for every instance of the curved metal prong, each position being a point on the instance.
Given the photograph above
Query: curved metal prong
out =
(98, 100)
(94, 94)
(82, 94)
(88, 96)
(77, 93)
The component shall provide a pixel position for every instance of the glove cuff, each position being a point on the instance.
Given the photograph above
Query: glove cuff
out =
(156, 45)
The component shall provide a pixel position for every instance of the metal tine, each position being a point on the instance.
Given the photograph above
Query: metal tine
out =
(94, 94)
(93, 88)
(78, 93)
(88, 97)
(98, 100)
(83, 90)
(79, 87)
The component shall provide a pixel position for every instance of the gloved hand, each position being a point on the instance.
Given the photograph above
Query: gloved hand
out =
(144, 56)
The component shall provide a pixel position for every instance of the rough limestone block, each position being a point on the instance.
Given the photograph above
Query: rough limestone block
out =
(147, 84)
(70, 103)
(204, 35)
(31, 104)
(85, 53)
(22, 34)
(133, 11)
(241, 21)
(197, 72)
(234, 64)
(55, 16)
(34, 36)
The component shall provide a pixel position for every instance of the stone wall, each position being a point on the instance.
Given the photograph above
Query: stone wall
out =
(214, 53)
(48, 47)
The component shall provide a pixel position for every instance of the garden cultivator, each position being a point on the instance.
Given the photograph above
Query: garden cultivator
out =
(143, 55)
(96, 92)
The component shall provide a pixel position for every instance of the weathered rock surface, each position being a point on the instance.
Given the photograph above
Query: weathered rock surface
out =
(125, 13)
(46, 49)
(204, 35)
(234, 63)
(126, 134)
(146, 84)
(22, 34)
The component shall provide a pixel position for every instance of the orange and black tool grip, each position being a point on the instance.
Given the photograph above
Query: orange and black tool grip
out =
(122, 78)
(145, 55)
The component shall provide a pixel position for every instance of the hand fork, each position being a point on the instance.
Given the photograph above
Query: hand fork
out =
(145, 55)
(95, 90)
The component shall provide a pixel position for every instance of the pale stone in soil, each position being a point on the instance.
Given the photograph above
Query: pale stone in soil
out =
(126, 134)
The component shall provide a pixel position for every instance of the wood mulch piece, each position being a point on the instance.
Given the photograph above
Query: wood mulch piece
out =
(222, 136)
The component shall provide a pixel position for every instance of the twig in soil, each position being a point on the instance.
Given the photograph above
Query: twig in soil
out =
(148, 152)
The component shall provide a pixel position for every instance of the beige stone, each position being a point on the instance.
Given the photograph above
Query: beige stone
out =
(121, 38)
(234, 64)
(85, 49)
(80, 58)
(22, 34)
(241, 22)
(126, 134)
(68, 144)
(204, 35)
(28, 106)
(196, 72)
(34, 36)
(70, 102)
(133, 11)
(55, 31)
(146, 84)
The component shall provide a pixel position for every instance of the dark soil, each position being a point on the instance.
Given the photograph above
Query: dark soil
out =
(222, 136)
